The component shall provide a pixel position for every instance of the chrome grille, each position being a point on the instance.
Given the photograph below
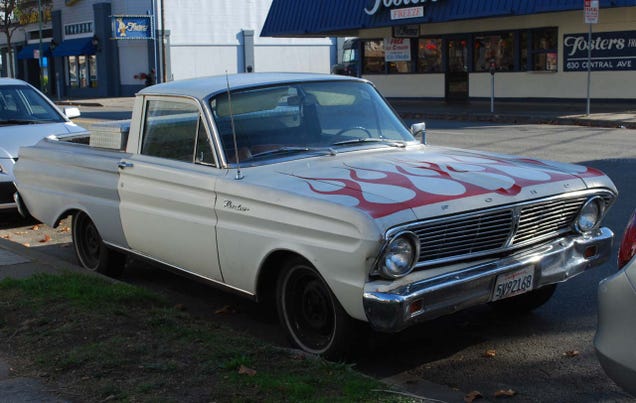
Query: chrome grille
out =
(541, 220)
(465, 235)
(497, 230)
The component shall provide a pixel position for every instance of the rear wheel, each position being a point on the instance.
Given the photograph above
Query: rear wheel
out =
(312, 316)
(526, 302)
(90, 249)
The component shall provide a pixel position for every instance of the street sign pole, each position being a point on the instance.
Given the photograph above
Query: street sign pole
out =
(589, 67)
(591, 11)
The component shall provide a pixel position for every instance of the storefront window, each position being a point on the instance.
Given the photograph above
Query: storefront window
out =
(539, 49)
(429, 55)
(92, 65)
(71, 63)
(498, 48)
(81, 71)
(373, 58)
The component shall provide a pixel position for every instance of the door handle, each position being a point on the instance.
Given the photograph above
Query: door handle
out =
(124, 164)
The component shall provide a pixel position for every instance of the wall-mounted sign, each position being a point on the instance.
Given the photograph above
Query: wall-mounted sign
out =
(406, 31)
(79, 28)
(611, 51)
(397, 50)
(410, 12)
(132, 27)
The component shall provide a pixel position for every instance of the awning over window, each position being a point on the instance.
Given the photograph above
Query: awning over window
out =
(74, 47)
(27, 52)
(298, 18)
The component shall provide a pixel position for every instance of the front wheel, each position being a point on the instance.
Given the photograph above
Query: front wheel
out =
(310, 313)
(90, 249)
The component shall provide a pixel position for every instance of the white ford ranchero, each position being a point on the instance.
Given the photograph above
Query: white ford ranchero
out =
(309, 191)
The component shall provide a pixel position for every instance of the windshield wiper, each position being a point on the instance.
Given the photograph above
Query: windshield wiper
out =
(392, 143)
(291, 150)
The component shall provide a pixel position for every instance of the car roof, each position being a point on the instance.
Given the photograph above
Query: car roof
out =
(205, 87)
(12, 81)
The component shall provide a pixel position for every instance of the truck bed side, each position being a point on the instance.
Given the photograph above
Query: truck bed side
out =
(56, 177)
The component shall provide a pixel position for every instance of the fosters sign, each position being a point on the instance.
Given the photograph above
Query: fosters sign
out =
(132, 26)
(611, 51)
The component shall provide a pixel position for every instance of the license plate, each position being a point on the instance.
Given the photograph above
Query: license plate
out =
(514, 283)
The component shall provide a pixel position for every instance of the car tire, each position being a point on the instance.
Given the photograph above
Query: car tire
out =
(525, 302)
(310, 313)
(90, 249)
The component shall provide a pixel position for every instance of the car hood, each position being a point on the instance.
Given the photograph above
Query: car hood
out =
(428, 181)
(16, 136)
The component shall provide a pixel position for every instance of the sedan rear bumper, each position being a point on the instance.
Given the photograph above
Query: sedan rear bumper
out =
(392, 309)
(614, 339)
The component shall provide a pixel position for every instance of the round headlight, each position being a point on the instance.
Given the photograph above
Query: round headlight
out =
(590, 215)
(399, 256)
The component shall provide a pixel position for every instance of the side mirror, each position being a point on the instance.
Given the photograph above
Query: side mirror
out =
(418, 130)
(71, 112)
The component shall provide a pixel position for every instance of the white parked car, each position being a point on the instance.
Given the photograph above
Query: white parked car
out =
(26, 116)
(615, 339)
(308, 190)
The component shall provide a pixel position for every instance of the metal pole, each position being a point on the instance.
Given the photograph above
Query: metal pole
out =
(492, 93)
(40, 55)
(164, 73)
(589, 67)
(154, 39)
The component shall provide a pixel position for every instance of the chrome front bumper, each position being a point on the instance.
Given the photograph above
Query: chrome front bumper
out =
(393, 309)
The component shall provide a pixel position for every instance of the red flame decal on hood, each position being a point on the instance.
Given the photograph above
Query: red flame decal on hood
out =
(405, 184)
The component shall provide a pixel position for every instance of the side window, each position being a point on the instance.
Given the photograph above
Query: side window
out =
(203, 153)
(170, 129)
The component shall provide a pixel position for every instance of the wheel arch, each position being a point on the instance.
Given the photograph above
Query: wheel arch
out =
(269, 272)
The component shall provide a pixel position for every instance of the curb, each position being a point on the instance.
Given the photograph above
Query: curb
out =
(520, 119)
(77, 103)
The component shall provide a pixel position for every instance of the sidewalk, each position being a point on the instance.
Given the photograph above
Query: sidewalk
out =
(602, 114)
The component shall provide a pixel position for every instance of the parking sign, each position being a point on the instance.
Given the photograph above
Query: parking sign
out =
(591, 11)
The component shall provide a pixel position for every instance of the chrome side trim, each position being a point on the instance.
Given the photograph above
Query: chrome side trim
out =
(182, 271)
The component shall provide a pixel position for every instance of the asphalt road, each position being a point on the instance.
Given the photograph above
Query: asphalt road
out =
(546, 356)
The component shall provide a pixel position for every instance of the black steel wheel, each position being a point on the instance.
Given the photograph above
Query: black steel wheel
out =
(90, 249)
(525, 302)
(310, 313)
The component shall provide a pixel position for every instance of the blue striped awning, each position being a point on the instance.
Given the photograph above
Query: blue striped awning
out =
(27, 52)
(324, 17)
(74, 47)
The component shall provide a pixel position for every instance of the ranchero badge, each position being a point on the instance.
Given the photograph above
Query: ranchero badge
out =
(238, 207)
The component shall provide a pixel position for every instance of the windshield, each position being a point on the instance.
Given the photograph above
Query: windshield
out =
(20, 104)
(304, 119)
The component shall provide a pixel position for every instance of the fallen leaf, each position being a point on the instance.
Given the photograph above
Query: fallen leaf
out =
(20, 232)
(505, 393)
(46, 238)
(35, 227)
(26, 244)
(64, 229)
(6, 236)
(225, 310)
(490, 353)
(472, 396)
(243, 370)
(571, 353)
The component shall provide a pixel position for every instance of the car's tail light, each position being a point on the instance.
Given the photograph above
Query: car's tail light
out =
(627, 249)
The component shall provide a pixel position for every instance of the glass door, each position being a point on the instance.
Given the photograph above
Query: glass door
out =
(457, 69)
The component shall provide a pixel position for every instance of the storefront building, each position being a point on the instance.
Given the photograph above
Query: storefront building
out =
(97, 48)
(449, 48)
